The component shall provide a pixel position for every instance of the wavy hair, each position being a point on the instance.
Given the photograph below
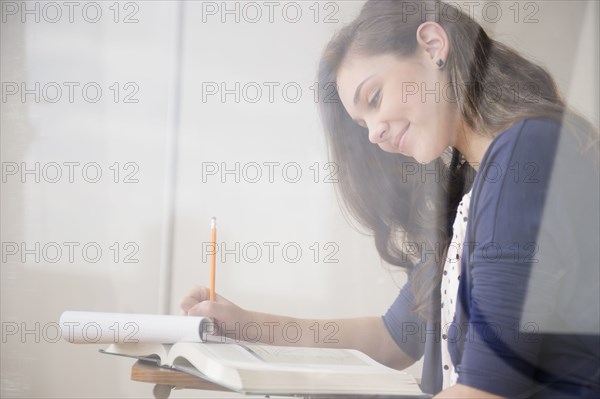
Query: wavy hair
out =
(493, 87)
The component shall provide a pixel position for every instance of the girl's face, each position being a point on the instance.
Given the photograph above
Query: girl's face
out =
(405, 104)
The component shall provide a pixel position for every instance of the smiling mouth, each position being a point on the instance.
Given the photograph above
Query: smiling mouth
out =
(400, 135)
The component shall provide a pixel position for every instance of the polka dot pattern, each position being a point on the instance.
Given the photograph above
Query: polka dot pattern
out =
(449, 289)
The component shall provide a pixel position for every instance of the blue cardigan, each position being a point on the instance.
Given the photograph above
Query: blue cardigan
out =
(527, 318)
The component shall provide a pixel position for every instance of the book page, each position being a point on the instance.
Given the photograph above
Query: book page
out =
(255, 368)
(313, 356)
(155, 353)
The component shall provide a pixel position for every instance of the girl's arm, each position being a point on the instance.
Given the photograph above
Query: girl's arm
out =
(366, 334)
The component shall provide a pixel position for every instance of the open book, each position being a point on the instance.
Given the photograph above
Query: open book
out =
(186, 344)
(277, 370)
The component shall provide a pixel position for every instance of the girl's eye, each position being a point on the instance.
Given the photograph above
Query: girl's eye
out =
(374, 100)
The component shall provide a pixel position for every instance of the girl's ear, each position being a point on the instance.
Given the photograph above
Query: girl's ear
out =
(433, 40)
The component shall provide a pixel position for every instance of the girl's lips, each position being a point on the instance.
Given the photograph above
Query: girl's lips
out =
(399, 140)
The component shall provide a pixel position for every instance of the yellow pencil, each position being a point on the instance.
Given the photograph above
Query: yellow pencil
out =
(213, 257)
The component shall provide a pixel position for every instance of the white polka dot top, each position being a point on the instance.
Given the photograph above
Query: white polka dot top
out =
(449, 288)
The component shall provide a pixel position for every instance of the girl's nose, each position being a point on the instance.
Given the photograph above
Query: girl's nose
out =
(378, 133)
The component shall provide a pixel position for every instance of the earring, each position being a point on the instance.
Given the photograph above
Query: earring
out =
(440, 63)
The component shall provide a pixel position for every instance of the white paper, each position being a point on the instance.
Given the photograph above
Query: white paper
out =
(110, 328)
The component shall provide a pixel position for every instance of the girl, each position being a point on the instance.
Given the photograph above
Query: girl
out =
(462, 159)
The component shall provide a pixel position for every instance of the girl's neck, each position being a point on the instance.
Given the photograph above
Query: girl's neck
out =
(472, 145)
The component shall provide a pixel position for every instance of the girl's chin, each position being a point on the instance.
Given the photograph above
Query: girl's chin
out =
(423, 160)
(428, 157)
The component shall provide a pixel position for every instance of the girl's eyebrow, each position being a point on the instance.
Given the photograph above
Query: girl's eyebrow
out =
(357, 91)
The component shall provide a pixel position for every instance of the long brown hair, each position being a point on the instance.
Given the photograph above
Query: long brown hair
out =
(410, 207)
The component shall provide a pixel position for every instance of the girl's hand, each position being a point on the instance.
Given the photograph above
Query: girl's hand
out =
(229, 319)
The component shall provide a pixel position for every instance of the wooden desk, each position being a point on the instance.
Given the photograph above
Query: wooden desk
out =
(165, 380)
